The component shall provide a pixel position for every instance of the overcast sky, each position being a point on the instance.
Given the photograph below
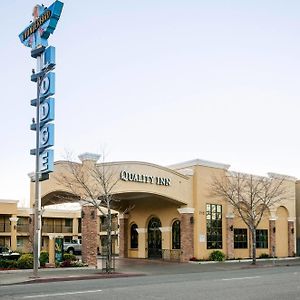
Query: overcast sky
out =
(159, 81)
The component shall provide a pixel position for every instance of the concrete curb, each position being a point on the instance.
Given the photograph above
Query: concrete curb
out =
(72, 278)
(204, 262)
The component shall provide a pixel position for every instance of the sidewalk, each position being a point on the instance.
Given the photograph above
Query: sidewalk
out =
(134, 267)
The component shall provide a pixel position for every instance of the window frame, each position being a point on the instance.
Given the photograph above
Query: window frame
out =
(214, 226)
(134, 236)
(240, 238)
(176, 242)
(262, 239)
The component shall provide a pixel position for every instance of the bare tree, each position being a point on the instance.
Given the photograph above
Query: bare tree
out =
(93, 184)
(250, 196)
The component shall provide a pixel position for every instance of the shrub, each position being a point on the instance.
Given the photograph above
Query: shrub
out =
(193, 258)
(264, 255)
(25, 261)
(8, 264)
(66, 264)
(44, 258)
(217, 255)
(70, 257)
(69, 263)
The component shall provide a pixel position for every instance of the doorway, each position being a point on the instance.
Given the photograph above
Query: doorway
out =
(154, 239)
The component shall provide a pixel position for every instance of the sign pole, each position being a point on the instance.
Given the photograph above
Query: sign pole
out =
(35, 36)
(37, 202)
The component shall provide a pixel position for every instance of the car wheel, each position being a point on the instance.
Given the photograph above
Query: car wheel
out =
(71, 251)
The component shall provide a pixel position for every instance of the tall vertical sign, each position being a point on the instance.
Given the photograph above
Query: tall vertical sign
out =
(36, 37)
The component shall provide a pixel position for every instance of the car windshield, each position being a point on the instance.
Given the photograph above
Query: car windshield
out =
(3, 249)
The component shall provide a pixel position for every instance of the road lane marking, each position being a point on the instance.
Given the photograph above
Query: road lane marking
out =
(241, 278)
(60, 294)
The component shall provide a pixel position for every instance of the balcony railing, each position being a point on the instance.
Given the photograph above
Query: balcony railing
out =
(5, 227)
(114, 227)
(49, 228)
(23, 228)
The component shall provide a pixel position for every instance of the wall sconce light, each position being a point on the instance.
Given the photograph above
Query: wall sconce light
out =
(82, 214)
(274, 229)
(292, 230)
(93, 214)
(192, 220)
(231, 228)
(15, 227)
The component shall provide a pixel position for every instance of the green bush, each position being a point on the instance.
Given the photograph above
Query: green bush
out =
(217, 255)
(44, 258)
(8, 264)
(25, 261)
(264, 255)
(69, 257)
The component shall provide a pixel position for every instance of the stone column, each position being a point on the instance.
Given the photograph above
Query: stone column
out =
(291, 237)
(75, 229)
(186, 233)
(123, 236)
(13, 232)
(51, 249)
(229, 236)
(89, 235)
(165, 242)
(142, 242)
(272, 230)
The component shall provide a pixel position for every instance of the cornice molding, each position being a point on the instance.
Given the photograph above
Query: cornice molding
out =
(282, 176)
(89, 156)
(186, 210)
(200, 162)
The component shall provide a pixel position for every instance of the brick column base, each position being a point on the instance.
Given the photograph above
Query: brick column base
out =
(291, 238)
(123, 236)
(229, 239)
(186, 233)
(89, 235)
(272, 230)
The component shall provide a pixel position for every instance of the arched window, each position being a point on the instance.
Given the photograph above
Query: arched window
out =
(134, 236)
(176, 235)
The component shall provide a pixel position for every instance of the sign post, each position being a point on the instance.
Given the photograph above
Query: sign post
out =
(36, 37)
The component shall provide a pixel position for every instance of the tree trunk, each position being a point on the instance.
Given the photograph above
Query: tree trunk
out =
(109, 241)
(253, 233)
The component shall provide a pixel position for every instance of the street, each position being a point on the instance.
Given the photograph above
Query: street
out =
(280, 282)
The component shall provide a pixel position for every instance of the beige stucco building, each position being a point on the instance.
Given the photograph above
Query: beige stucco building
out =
(171, 209)
(172, 214)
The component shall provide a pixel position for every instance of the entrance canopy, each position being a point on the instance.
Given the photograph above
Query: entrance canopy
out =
(132, 182)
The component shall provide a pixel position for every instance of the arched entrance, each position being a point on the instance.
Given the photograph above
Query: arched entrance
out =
(154, 238)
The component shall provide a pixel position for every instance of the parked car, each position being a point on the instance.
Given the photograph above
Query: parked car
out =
(6, 253)
(73, 247)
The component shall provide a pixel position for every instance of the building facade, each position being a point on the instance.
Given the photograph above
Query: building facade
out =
(16, 227)
(174, 217)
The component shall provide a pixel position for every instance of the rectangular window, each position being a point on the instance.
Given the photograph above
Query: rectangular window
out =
(214, 226)
(240, 238)
(261, 238)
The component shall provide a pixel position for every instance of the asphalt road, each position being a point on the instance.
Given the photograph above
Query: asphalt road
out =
(258, 283)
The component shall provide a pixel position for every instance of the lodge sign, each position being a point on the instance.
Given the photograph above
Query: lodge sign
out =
(36, 25)
(143, 178)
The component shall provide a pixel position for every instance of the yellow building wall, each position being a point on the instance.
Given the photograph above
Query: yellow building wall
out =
(282, 232)
(203, 178)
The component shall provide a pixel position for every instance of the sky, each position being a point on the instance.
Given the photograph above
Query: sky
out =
(159, 81)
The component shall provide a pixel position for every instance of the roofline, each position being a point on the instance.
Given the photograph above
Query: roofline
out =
(8, 201)
(165, 168)
(200, 162)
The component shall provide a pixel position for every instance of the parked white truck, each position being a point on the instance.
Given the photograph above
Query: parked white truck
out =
(72, 247)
